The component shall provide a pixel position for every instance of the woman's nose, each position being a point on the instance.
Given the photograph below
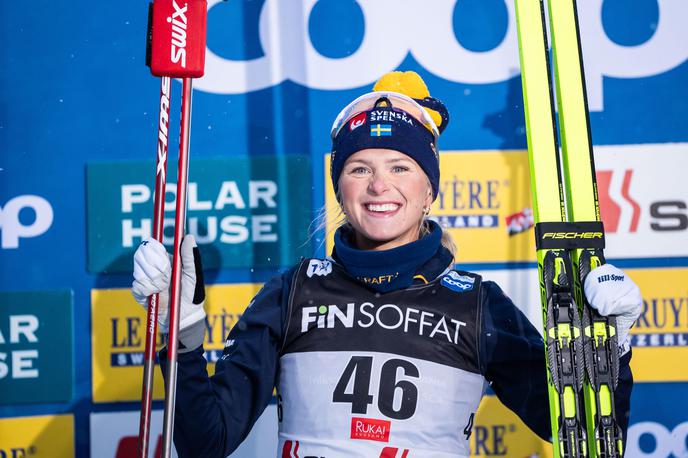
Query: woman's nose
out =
(378, 184)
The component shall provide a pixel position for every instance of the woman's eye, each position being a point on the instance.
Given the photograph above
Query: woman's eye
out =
(399, 168)
(359, 170)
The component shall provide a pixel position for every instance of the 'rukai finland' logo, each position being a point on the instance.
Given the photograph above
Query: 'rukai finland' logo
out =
(458, 283)
(370, 429)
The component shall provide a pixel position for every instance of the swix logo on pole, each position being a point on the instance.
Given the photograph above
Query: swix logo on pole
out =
(178, 38)
(163, 127)
(178, 21)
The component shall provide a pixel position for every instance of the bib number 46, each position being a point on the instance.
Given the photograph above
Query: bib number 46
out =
(359, 370)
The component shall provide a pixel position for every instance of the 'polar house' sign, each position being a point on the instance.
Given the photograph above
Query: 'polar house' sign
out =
(238, 209)
(36, 347)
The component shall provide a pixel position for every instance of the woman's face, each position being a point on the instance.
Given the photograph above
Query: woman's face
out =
(383, 194)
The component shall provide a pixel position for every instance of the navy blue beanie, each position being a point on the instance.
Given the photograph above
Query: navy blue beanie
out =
(389, 128)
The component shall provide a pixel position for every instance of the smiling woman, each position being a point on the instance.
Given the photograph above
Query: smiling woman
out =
(384, 341)
(385, 196)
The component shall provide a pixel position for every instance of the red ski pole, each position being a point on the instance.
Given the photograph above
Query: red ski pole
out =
(175, 295)
(176, 49)
(158, 219)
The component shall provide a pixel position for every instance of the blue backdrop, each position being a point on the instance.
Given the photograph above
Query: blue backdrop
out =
(74, 90)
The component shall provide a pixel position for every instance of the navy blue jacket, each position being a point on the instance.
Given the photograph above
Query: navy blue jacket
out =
(214, 415)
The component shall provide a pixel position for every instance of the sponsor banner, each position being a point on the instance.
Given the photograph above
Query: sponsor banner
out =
(483, 196)
(119, 332)
(484, 201)
(644, 199)
(239, 209)
(115, 435)
(36, 347)
(37, 437)
(660, 336)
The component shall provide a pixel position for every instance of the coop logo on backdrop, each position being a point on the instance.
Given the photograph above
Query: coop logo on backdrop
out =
(240, 206)
(14, 228)
(285, 31)
(668, 442)
(35, 347)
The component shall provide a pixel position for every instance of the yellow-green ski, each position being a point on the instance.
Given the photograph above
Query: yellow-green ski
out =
(599, 333)
(582, 360)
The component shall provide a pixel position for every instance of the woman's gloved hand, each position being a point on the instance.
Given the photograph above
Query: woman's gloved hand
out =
(611, 291)
(152, 274)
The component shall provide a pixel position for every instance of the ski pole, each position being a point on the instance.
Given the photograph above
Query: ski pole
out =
(175, 49)
(175, 294)
(158, 219)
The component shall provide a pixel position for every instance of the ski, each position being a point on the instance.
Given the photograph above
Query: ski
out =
(580, 345)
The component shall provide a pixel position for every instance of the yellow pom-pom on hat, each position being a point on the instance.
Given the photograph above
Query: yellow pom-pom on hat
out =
(412, 85)
(407, 83)
(387, 129)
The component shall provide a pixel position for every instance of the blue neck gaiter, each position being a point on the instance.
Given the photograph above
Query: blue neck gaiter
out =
(393, 269)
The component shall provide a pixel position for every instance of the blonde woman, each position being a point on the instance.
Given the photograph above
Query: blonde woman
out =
(384, 348)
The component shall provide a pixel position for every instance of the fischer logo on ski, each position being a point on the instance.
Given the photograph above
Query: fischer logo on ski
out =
(566, 236)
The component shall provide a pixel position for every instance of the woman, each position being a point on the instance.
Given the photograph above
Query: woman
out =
(383, 346)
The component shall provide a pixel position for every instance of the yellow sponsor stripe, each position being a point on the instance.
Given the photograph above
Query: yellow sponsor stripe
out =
(659, 364)
(37, 437)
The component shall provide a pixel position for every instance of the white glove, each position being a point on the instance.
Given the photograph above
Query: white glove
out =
(152, 272)
(612, 292)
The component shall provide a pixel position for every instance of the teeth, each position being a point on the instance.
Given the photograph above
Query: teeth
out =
(382, 207)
